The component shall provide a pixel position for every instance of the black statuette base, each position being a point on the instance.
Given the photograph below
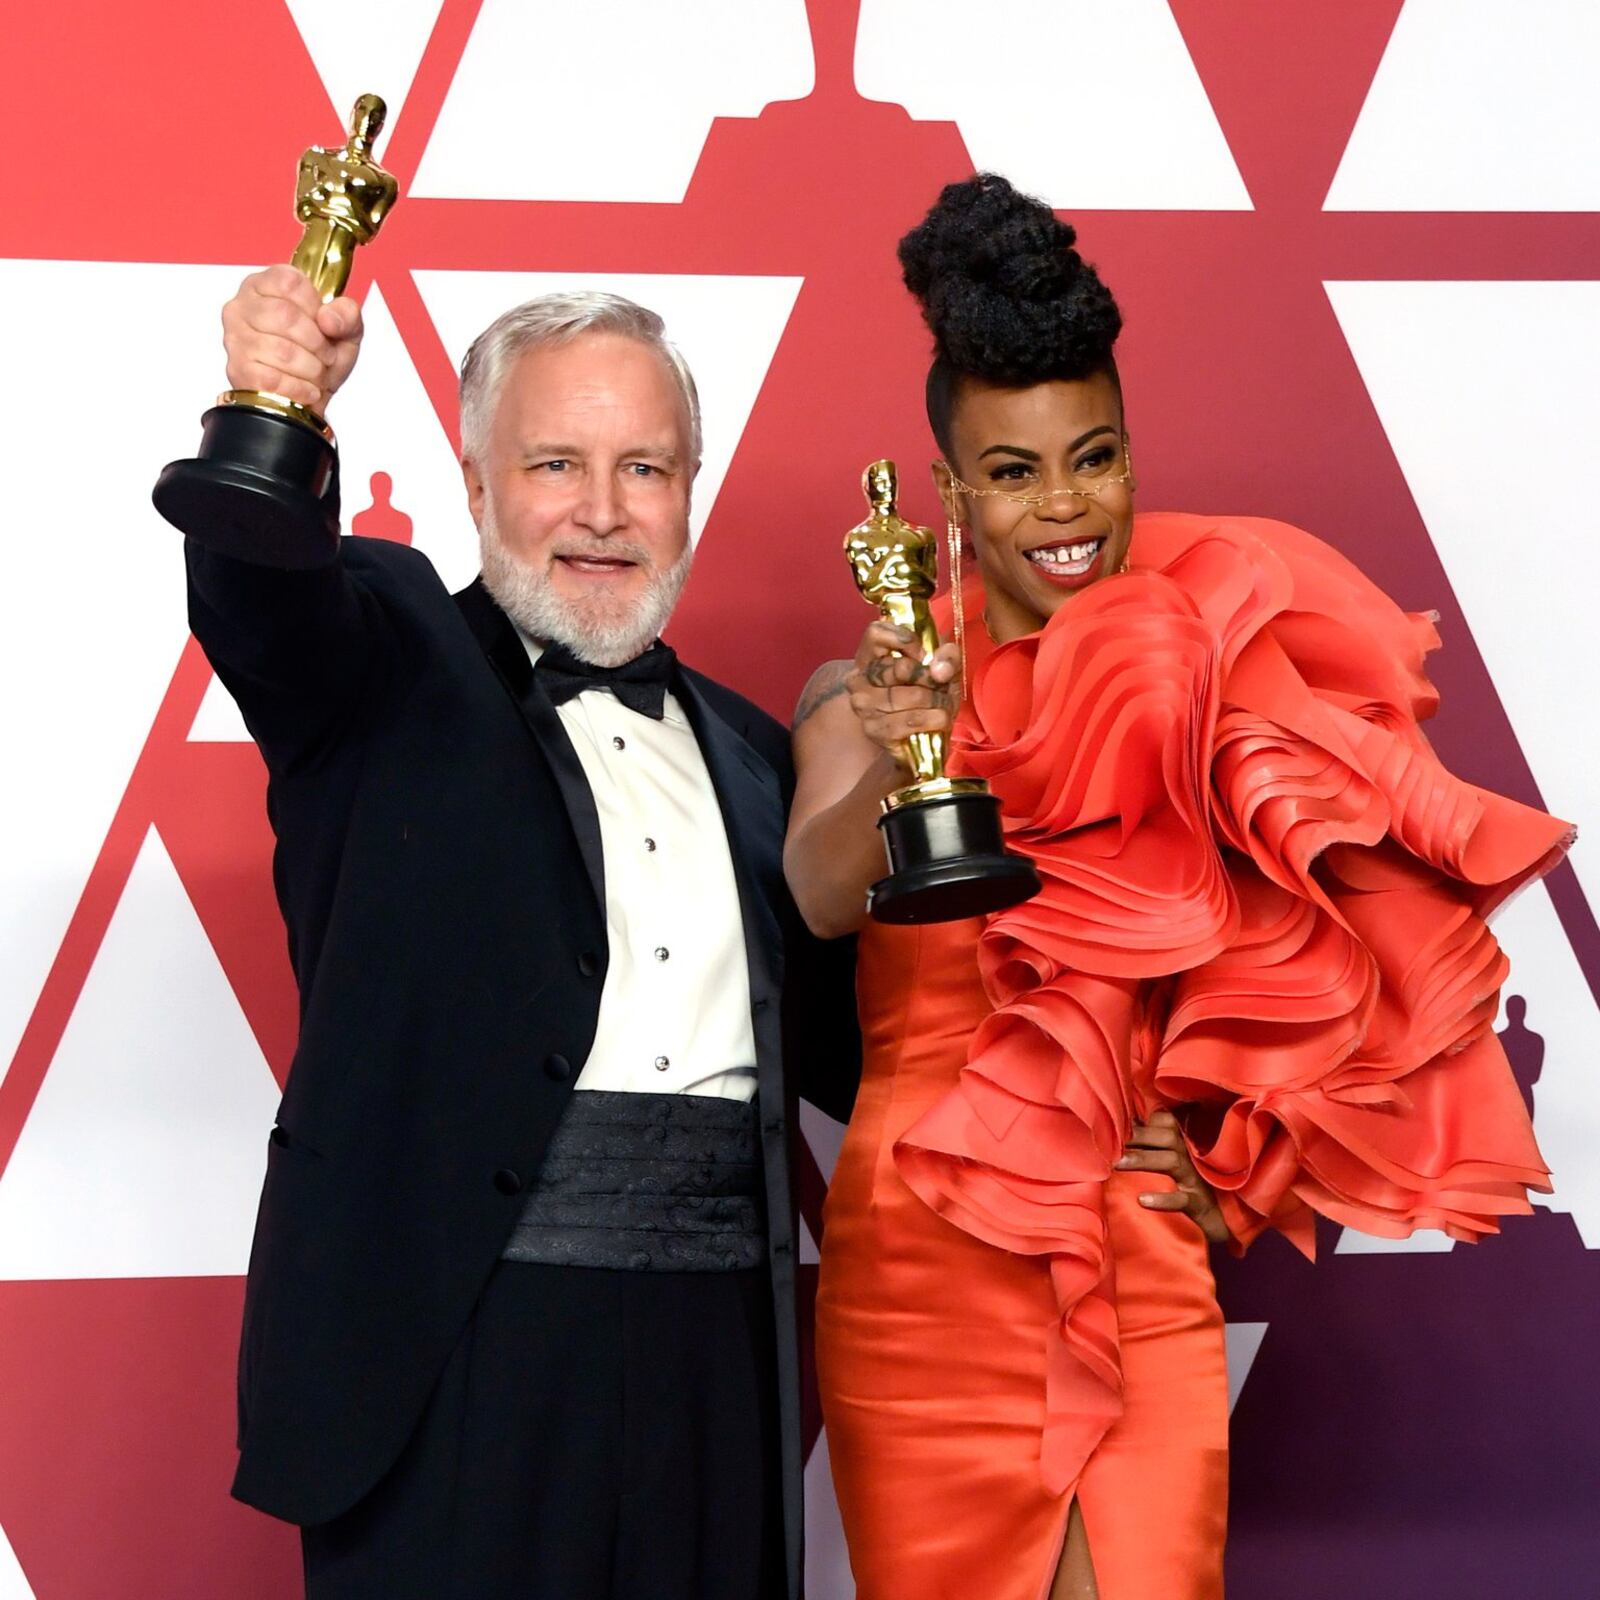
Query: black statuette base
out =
(257, 491)
(948, 860)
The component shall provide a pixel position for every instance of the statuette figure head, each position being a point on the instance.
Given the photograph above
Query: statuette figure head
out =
(887, 554)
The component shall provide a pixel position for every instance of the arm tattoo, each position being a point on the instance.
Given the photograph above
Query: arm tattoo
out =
(826, 682)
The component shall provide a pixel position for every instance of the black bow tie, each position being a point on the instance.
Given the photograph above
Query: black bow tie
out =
(641, 684)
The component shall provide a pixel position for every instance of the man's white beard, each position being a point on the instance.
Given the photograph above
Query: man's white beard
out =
(606, 630)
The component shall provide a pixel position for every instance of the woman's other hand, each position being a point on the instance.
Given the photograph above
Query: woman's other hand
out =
(1157, 1146)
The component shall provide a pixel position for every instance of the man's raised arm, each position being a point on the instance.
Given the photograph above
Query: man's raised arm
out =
(295, 648)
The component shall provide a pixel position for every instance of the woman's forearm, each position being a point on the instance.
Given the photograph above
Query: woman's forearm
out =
(832, 858)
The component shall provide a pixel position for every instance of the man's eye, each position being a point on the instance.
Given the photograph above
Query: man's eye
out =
(643, 469)
(556, 466)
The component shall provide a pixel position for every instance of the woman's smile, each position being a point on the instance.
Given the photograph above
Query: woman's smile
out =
(1068, 565)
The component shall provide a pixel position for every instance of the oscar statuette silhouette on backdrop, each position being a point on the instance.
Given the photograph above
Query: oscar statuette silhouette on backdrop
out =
(382, 519)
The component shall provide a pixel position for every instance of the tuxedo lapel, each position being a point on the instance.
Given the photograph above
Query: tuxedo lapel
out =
(503, 646)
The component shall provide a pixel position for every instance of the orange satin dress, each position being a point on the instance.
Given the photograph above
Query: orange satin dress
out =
(1262, 908)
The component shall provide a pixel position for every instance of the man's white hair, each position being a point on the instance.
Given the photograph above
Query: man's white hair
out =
(556, 319)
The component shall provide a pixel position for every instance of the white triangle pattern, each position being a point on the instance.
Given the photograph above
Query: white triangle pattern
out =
(1244, 1345)
(77, 729)
(218, 720)
(610, 100)
(144, 1152)
(1480, 105)
(14, 1583)
(386, 423)
(1424, 1242)
(824, 1135)
(1485, 390)
(365, 47)
(728, 329)
(1167, 151)
(1566, 1097)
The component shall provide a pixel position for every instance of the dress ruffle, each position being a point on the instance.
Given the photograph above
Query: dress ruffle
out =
(1262, 908)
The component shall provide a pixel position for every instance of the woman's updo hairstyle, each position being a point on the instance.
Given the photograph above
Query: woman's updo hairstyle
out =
(1006, 296)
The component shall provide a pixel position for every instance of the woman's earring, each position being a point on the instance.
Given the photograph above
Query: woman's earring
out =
(952, 533)
(1127, 456)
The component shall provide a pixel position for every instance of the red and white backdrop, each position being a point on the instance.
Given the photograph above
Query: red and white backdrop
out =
(1359, 255)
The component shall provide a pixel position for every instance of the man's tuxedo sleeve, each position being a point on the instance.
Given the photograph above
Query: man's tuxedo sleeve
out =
(300, 651)
(824, 1040)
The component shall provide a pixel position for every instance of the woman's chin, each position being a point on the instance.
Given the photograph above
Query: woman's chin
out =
(1048, 592)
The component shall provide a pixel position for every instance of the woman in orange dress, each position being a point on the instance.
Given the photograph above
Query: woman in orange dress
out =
(1256, 984)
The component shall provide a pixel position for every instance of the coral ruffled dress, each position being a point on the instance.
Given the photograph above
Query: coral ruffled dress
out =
(1263, 908)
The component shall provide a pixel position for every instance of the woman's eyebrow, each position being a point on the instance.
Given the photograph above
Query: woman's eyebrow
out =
(1011, 450)
(1033, 455)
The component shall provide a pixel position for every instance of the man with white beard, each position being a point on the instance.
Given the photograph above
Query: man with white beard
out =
(520, 1317)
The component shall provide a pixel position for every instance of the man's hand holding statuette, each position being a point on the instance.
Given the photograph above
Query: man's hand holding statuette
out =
(281, 339)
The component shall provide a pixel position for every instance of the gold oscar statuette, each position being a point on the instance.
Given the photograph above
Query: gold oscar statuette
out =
(260, 488)
(947, 856)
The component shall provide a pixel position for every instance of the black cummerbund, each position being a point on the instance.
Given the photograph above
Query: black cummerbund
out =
(648, 1183)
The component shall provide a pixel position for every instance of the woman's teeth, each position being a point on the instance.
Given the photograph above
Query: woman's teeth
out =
(1066, 560)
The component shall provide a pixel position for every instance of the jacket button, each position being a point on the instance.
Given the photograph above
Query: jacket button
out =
(588, 963)
(557, 1067)
(507, 1182)
(780, 1247)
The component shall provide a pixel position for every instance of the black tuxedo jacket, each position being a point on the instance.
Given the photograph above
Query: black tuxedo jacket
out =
(439, 869)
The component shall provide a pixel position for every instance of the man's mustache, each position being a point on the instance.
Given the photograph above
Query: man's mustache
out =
(602, 550)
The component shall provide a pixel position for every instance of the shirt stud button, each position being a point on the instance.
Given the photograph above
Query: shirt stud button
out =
(619, 742)
(662, 952)
(649, 844)
(662, 1063)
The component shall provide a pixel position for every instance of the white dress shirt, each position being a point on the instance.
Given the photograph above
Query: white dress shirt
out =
(675, 1009)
